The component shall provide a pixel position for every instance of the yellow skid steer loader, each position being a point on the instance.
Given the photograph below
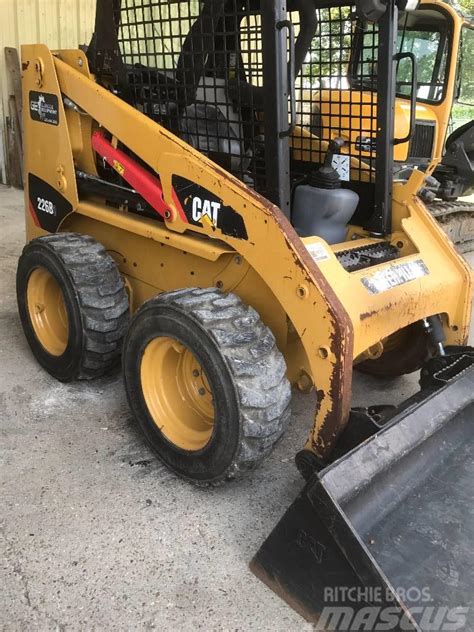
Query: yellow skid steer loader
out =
(177, 216)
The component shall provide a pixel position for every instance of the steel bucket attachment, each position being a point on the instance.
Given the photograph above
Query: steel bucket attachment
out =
(383, 537)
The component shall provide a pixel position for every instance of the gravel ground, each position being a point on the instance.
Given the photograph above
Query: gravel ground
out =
(96, 533)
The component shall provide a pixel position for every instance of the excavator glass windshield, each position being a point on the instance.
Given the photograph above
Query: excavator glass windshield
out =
(425, 33)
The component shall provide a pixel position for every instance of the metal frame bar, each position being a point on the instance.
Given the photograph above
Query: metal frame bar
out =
(380, 223)
(276, 86)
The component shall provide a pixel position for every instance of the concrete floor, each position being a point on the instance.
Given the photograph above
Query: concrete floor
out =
(96, 533)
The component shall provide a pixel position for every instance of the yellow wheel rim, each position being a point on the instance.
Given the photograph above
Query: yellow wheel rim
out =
(177, 393)
(47, 311)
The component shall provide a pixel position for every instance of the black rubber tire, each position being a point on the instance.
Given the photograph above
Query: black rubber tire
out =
(406, 358)
(245, 370)
(95, 298)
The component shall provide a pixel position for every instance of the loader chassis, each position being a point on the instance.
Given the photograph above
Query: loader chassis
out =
(156, 256)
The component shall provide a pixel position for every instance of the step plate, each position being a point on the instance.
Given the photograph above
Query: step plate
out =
(367, 256)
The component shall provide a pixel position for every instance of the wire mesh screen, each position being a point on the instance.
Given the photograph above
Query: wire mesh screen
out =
(336, 95)
(196, 67)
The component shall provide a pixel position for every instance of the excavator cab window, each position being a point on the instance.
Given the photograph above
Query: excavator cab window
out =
(465, 75)
(427, 34)
(429, 47)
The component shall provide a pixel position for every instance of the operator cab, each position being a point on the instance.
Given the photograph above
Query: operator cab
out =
(240, 88)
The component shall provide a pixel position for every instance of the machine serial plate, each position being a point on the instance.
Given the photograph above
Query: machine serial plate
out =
(395, 275)
(317, 251)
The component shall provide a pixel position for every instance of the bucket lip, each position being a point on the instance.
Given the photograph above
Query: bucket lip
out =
(320, 523)
(419, 417)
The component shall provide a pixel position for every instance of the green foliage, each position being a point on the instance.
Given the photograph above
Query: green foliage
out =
(466, 75)
(330, 52)
(425, 46)
(467, 6)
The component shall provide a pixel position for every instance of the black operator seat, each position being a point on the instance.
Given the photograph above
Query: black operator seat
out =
(217, 104)
(209, 120)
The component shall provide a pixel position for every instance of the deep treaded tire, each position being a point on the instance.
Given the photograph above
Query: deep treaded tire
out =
(245, 371)
(457, 220)
(93, 297)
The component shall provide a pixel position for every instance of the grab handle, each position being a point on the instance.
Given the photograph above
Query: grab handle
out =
(414, 89)
(288, 24)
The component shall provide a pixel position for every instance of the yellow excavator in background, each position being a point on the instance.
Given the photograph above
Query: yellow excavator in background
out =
(434, 105)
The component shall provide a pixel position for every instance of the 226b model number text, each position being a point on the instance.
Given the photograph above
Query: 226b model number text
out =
(46, 206)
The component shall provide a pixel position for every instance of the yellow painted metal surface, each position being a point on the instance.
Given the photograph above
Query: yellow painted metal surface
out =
(61, 23)
(339, 107)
